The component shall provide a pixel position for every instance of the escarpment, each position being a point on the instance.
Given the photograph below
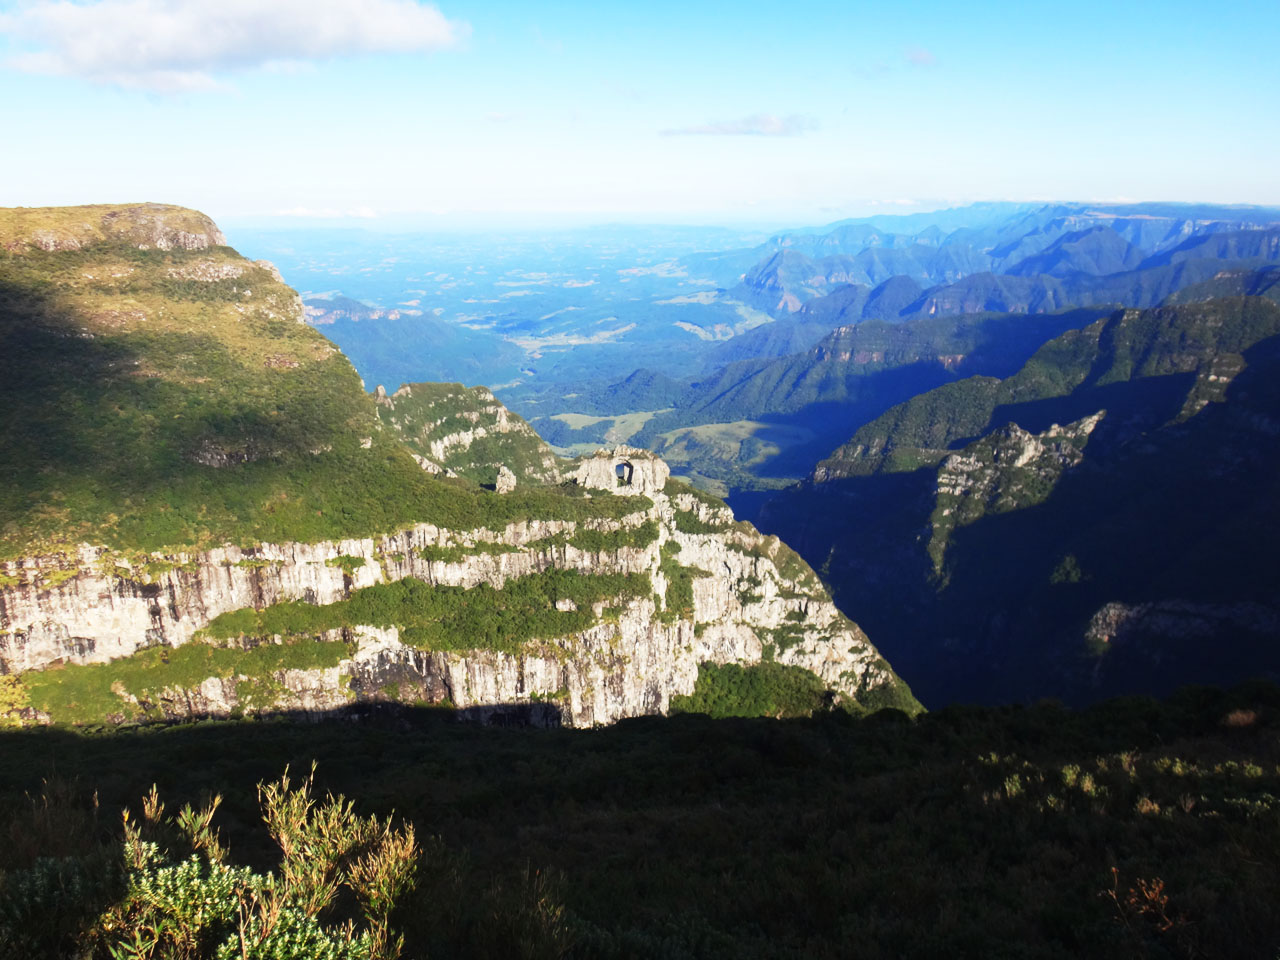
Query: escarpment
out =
(627, 609)
(205, 515)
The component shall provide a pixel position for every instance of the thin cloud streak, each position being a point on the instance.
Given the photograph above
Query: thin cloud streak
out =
(757, 125)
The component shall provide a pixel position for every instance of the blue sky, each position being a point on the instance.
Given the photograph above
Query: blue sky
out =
(494, 113)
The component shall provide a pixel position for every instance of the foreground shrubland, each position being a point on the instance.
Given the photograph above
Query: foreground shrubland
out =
(1136, 828)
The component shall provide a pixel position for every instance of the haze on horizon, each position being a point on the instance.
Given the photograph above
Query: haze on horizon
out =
(384, 113)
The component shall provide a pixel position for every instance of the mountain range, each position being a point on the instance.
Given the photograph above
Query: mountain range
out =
(1094, 523)
(218, 550)
(1012, 259)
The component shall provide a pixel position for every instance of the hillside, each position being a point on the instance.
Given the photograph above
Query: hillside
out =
(205, 515)
(407, 344)
(1086, 526)
(1001, 832)
(161, 392)
(466, 432)
(760, 419)
(766, 402)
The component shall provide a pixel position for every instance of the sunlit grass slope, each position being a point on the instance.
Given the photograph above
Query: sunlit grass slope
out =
(160, 392)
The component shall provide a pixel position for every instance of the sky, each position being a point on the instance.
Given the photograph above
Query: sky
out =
(392, 112)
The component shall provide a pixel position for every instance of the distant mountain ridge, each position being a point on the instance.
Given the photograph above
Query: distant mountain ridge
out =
(1012, 259)
(1051, 240)
(1092, 524)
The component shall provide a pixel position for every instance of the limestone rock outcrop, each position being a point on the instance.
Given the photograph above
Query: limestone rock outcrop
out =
(752, 599)
(147, 226)
(624, 470)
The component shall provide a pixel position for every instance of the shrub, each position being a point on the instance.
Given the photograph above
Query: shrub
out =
(167, 892)
(765, 689)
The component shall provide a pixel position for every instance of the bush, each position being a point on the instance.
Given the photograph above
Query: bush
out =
(150, 901)
(765, 689)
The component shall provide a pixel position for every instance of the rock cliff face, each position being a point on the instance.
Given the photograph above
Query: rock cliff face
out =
(751, 598)
(146, 226)
(1009, 469)
(624, 470)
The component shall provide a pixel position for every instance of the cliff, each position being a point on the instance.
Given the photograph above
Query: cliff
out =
(205, 515)
(1093, 525)
(677, 583)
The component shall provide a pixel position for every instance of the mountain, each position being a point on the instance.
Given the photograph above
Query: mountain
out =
(932, 227)
(755, 420)
(1046, 243)
(786, 280)
(1097, 251)
(1247, 245)
(1232, 283)
(763, 402)
(1086, 526)
(888, 301)
(466, 432)
(392, 346)
(204, 514)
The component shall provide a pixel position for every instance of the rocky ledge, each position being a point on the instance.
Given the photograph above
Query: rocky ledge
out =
(748, 598)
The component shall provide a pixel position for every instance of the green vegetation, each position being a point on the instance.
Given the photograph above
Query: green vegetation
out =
(789, 564)
(161, 887)
(1068, 571)
(583, 538)
(765, 689)
(894, 695)
(1130, 345)
(157, 413)
(347, 564)
(782, 638)
(674, 488)
(1165, 507)
(255, 563)
(963, 832)
(449, 618)
(555, 696)
(455, 553)
(13, 698)
(1005, 480)
(688, 521)
(678, 601)
(774, 410)
(610, 541)
(53, 578)
(428, 413)
(130, 688)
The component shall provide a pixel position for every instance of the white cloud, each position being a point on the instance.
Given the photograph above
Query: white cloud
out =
(919, 57)
(757, 125)
(179, 45)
